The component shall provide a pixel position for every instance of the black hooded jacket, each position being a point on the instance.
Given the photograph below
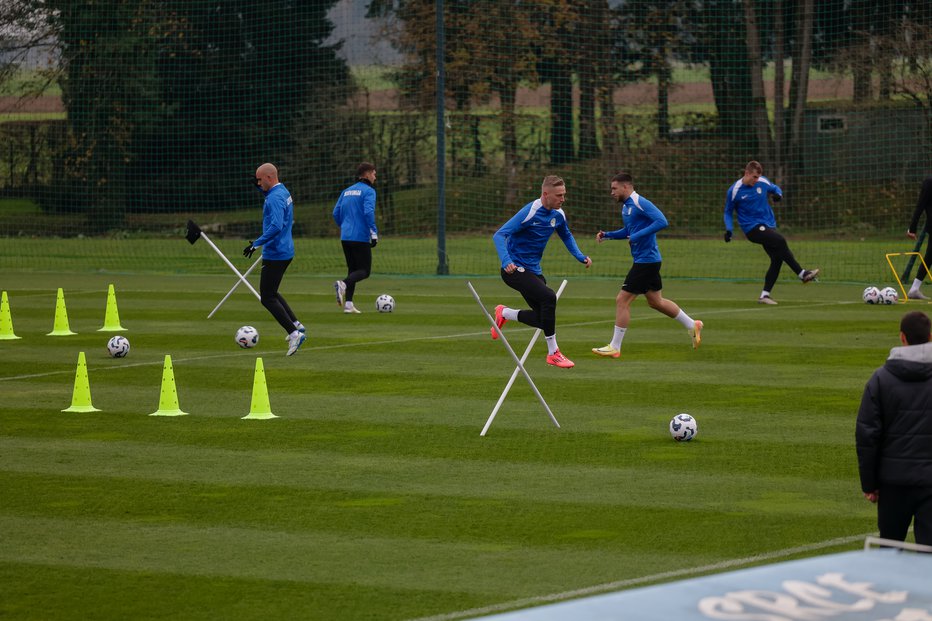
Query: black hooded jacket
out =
(894, 428)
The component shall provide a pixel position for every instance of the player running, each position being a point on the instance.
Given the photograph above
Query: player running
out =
(520, 244)
(642, 220)
(748, 197)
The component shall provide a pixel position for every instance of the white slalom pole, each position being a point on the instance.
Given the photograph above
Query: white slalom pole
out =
(513, 355)
(514, 375)
(252, 267)
(230, 265)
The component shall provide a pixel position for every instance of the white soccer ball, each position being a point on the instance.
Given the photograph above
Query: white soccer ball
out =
(871, 295)
(118, 347)
(247, 337)
(385, 303)
(888, 295)
(683, 428)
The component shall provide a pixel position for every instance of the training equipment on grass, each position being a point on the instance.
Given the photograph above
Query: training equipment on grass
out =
(81, 396)
(247, 337)
(514, 374)
(235, 285)
(168, 396)
(683, 428)
(888, 295)
(118, 347)
(912, 259)
(385, 303)
(112, 316)
(6, 319)
(195, 233)
(259, 407)
(871, 295)
(511, 352)
(913, 256)
(61, 327)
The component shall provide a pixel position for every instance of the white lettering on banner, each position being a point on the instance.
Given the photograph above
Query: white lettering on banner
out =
(805, 601)
(353, 193)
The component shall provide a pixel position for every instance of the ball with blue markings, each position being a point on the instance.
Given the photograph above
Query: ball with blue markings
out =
(683, 428)
(118, 347)
(247, 337)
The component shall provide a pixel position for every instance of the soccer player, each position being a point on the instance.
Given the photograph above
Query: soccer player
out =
(277, 252)
(748, 197)
(641, 220)
(923, 206)
(354, 213)
(520, 243)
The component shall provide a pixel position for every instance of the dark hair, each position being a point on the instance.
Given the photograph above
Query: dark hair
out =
(754, 166)
(363, 169)
(623, 177)
(916, 327)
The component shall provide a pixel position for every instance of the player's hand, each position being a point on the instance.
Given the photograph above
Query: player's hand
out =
(248, 250)
(910, 235)
(600, 236)
(510, 268)
(872, 496)
(587, 262)
(777, 198)
(727, 236)
(373, 242)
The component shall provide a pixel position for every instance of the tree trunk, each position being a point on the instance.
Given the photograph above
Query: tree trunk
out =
(779, 54)
(759, 118)
(561, 115)
(799, 87)
(609, 127)
(664, 78)
(507, 94)
(588, 143)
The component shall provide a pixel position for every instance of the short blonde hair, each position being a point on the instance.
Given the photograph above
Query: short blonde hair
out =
(551, 181)
(754, 166)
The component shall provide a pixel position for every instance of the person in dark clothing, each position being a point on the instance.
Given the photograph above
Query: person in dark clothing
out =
(894, 435)
(923, 206)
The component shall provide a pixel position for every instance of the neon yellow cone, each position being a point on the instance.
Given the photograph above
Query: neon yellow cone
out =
(112, 318)
(81, 398)
(6, 320)
(61, 327)
(168, 400)
(260, 408)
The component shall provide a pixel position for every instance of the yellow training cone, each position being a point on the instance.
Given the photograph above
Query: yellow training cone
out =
(6, 320)
(112, 318)
(61, 327)
(260, 408)
(168, 400)
(81, 398)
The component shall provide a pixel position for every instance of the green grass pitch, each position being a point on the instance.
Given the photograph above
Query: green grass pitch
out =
(373, 496)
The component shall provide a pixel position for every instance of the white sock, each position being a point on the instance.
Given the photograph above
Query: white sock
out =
(765, 294)
(349, 305)
(686, 320)
(510, 314)
(619, 336)
(551, 344)
(916, 284)
(297, 324)
(294, 335)
(801, 274)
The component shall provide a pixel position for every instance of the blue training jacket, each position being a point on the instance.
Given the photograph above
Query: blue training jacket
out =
(277, 220)
(642, 220)
(523, 238)
(354, 213)
(750, 201)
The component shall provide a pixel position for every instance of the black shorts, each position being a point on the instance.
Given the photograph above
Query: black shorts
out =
(643, 277)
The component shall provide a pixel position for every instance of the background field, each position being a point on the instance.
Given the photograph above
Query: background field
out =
(373, 495)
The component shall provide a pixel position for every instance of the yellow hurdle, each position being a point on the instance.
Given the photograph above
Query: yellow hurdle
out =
(905, 297)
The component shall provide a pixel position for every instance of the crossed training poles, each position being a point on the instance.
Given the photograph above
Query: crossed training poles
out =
(519, 368)
(195, 233)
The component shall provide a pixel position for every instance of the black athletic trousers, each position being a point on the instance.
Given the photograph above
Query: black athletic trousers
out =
(924, 205)
(777, 249)
(358, 264)
(898, 506)
(269, 281)
(540, 297)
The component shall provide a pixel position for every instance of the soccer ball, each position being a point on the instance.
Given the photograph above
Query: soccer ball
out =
(385, 303)
(683, 428)
(871, 295)
(247, 337)
(118, 347)
(888, 295)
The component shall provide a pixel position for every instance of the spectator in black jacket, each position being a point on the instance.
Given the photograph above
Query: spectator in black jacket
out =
(923, 206)
(894, 435)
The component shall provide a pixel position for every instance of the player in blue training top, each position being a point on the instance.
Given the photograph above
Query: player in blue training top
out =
(748, 197)
(520, 244)
(354, 213)
(642, 220)
(277, 252)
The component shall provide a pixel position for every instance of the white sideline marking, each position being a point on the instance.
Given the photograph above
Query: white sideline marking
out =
(621, 584)
(160, 362)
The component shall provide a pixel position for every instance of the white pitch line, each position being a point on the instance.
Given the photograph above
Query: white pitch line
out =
(630, 582)
(160, 362)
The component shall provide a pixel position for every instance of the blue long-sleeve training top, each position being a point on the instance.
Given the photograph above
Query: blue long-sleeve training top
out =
(354, 213)
(523, 238)
(642, 220)
(750, 201)
(277, 220)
